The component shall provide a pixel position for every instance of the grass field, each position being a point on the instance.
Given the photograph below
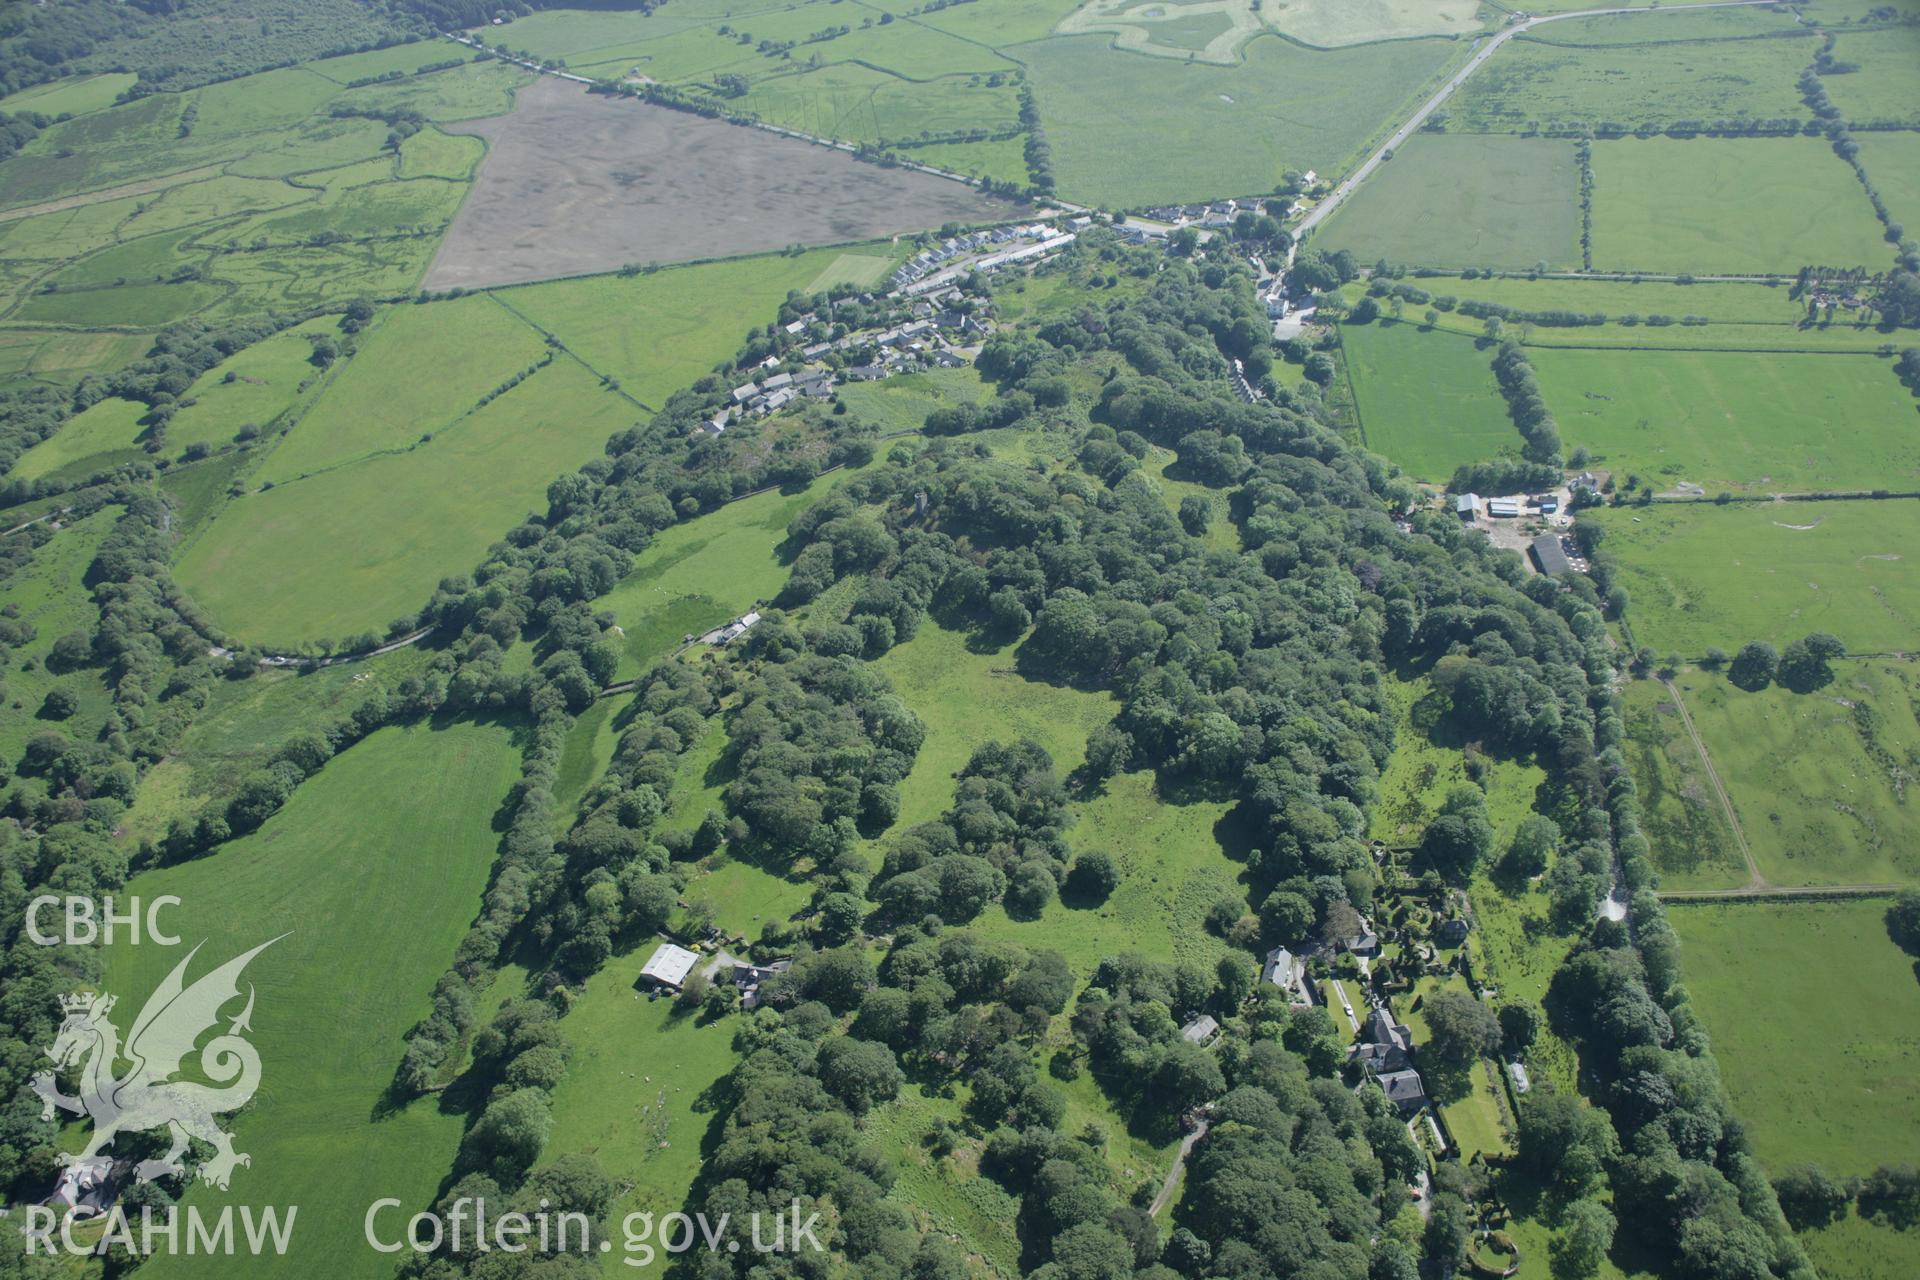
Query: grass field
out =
(246, 721)
(1693, 847)
(1742, 304)
(253, 387)
(1702, 574)
(1740, 423)
(1857, 1248)
(1135, 131)
(635, 1094)
(103, 435)
(371, 871)
(1892, 160)
(1884, 86)
(1466, 200)
(1172, 867)
(903, 403)
(50, 356)
(1540, 81)
(251, 186)
(1427, 401)
(72, 95)
(1664, 205)
(49, 596)
(1818, 1051)
(1329, 23)
(1476, 1120)
(1421, 771)
(677, 322)
(1820, 781)
(422, 369)
(350, 549)
(701, 572)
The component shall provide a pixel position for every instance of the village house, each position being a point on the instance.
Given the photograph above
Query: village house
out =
(1405, 1090)
(748, 978)
(1289, 972)
(1201, 1030)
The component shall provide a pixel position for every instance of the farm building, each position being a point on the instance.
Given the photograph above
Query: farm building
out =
(1550, 555)
(1504, 508)
(667, 968)
(1465, 504)
(732, 631)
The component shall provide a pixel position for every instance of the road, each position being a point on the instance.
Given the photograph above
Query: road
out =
(1320, 212)
(1172, 1180)
(294, 660)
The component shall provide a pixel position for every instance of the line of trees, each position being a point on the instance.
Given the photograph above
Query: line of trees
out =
(1526, 404)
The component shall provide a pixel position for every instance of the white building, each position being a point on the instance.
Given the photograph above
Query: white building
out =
(669, 966)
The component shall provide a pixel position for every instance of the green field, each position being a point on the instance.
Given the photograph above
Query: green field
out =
(1129, 131)
(966, 698)
(1740, 423)
(45, 355)
(1892, 160)
(104, 435)
(697, 574)
(246, 721)
(1466, 200)
(1701, 574)
(1666, 205)
(1427, 401)
(675, 323)
(1887, 83)
(1554, 79)
(371, 871)
(253, 387)
(1820, 781)
(73, 95)
(45, 595)
(240, 196)
(351, 549)
(1171, 864)
(1329, 23)
(1732, 304)
(421, 370)
(635, 1094)
(1693, 847)
(1812, 1010)
(1857, 1248)
(902, 403)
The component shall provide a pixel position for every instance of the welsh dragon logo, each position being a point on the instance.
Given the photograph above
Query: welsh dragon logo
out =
(150, 1094)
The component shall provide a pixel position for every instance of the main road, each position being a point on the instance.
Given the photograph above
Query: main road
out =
(1487, 48)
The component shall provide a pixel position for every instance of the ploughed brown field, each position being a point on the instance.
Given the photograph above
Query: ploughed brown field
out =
(575, 183)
